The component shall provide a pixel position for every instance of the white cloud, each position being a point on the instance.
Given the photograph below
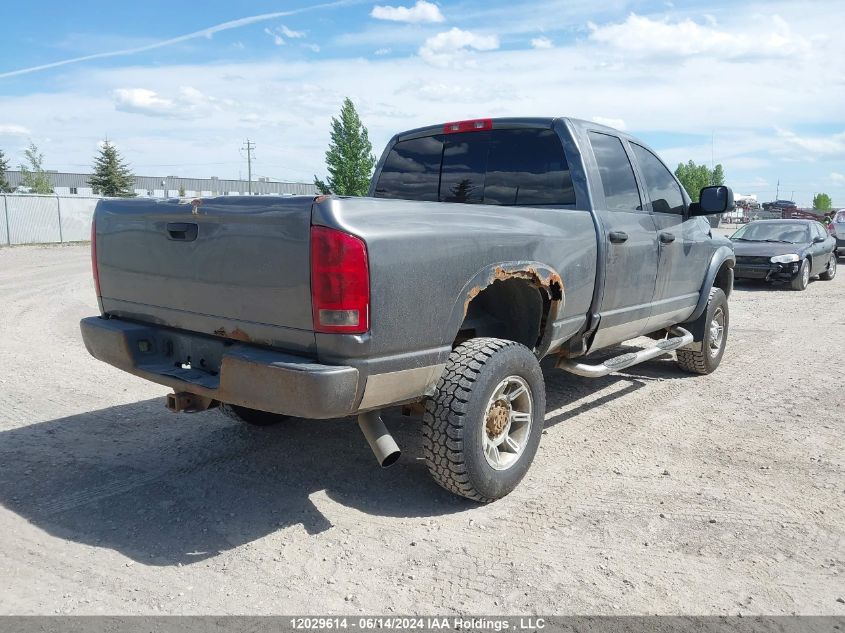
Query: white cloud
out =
(542, 43)
(469, 92)
(188, 103)
(9, 129)
(291, 33)
(422, 11)
(649, 37)
(278, 40)
(810, 147)
(382, 51)
(453, 46)
(279, 33)
(837, 178)
(312, 47)
(619, 124)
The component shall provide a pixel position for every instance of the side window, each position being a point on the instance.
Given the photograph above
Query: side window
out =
(464, 167)
(527, 167)
(412, 170)
(664, 192)
(617, 175)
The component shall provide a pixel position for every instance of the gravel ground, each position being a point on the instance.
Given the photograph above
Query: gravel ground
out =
(652, 491)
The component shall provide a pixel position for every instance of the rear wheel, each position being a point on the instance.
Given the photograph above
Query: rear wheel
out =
(830, 273)
(802, 279)
(251, 416)
(482, 427)
(717, 319)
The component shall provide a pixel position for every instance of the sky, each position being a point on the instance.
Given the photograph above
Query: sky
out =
(756, 86)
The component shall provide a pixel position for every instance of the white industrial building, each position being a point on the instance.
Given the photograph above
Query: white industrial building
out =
(70, 184)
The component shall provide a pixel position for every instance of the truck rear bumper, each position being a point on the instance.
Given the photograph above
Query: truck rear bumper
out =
(223, 370)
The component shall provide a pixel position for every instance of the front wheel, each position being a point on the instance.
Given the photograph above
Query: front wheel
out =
(717, 320)
(802, 279)
(830, 273)
(482, 427)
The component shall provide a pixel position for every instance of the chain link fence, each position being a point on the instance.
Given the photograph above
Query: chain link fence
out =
(34, 219)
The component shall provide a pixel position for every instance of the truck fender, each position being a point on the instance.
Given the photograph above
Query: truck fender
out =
(722, 255)
(543, 277)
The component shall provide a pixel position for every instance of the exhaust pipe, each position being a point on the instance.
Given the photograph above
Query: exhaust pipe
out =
(379, 438)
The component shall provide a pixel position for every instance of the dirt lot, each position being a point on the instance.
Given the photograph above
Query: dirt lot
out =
(652, 492)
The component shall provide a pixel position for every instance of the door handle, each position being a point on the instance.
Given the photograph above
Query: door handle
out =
(182, 231)
(667, 238)
(618, 237)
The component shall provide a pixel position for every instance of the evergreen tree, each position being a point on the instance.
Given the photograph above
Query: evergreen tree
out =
(33, 175)
(349, 159)
(5, 187)
(112, 177)
(462, 191)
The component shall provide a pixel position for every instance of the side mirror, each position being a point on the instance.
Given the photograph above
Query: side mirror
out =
(712, 200)
(818, 239)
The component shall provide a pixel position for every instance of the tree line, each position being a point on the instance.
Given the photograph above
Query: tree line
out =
(349, 163)
(112, 176)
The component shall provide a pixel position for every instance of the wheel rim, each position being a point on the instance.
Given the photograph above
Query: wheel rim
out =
(805, 275)
(831, 269)
(507, 423)
(717, 332)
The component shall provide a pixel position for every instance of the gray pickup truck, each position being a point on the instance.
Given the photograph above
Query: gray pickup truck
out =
(483, 247)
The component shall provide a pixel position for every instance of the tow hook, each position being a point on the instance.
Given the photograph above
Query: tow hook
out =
(185, 402)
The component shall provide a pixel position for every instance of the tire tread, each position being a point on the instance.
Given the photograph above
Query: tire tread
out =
(443, 420)
(695, 361)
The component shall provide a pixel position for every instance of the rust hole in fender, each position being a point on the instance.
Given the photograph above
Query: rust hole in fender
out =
(550, 283)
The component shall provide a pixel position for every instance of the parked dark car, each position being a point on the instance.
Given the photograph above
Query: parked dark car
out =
(784, 250)
(837, 231)
(780, 205)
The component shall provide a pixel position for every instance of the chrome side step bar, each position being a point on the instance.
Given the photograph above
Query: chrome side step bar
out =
(680, 338)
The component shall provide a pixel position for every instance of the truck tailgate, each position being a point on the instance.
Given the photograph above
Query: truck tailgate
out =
(236, 267)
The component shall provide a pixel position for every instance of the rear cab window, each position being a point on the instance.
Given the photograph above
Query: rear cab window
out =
(617, 175)
(507, 167)
(412, 170)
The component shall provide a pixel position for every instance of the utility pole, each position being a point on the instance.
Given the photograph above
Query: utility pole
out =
(249, 146)
(777, 193)
(712, 149)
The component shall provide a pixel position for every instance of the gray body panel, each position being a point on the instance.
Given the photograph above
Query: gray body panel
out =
(245, 277)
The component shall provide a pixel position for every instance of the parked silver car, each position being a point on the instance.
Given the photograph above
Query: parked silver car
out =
(837, 230)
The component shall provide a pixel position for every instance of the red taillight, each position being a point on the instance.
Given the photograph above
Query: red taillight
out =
(94, 268)
(340, 282)
(473, 125)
